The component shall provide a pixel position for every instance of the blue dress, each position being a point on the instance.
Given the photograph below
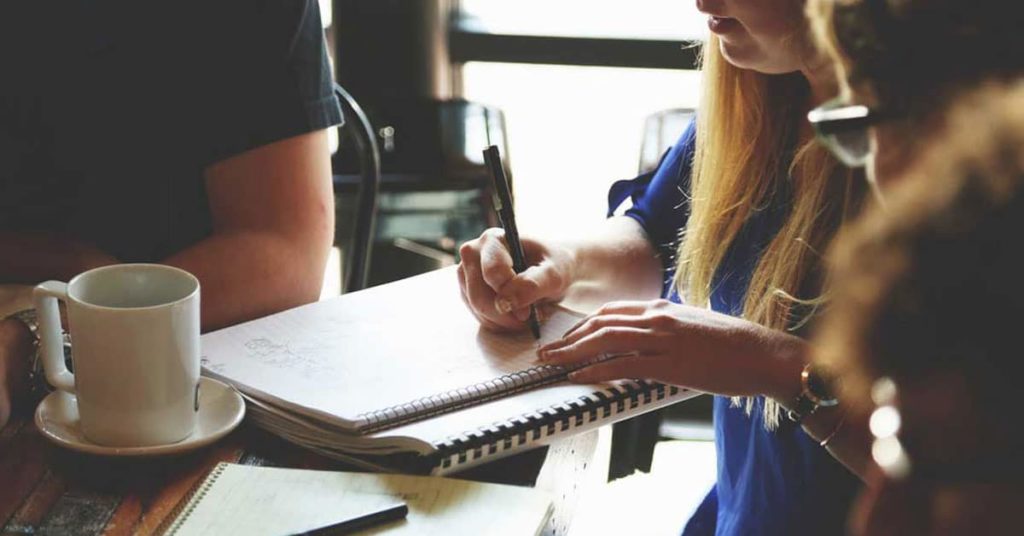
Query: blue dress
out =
(773, 483)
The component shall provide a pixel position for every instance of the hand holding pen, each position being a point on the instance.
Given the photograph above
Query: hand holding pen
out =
(496, 294)
(503, 206)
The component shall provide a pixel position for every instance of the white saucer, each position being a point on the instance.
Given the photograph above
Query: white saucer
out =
(221, 409)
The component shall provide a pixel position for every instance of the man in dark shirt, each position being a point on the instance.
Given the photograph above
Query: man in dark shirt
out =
(186, 133)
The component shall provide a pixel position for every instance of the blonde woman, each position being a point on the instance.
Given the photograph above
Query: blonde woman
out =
(758, 202)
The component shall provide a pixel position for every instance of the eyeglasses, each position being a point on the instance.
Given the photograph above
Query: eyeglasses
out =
(890, 453)
(843, 129)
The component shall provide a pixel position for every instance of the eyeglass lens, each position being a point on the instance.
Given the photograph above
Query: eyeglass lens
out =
(851, 148)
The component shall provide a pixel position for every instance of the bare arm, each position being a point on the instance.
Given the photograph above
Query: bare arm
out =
(707, 351)
(273, 219)
(616, 261)
(847, 435)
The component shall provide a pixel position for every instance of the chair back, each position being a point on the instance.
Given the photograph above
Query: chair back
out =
(661, 131)
(361, 131)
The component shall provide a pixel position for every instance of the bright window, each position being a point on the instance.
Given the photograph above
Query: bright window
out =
(637, 19)
(573, 131)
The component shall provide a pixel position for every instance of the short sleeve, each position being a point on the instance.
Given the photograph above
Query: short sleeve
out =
(661, 198)
(273, 78)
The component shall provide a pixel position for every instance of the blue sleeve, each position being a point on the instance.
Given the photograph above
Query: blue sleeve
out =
(661, 202)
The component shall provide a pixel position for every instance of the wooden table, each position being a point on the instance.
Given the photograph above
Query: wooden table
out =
(47, 490)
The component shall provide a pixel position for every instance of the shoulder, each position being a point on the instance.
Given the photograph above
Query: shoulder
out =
(271, 57)
(677, 164)
(688, 141)
(687, 144)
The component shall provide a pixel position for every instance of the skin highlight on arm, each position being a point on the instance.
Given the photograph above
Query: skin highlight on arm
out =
(273, 217)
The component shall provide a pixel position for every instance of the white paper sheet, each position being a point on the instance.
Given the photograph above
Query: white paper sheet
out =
(270, 501)
(390, 345)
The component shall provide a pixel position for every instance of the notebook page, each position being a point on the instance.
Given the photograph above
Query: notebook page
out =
(272, 501)
(370, 350)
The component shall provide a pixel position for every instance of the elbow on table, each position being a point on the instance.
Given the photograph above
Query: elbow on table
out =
(309, 258)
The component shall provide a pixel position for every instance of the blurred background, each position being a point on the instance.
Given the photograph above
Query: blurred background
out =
(576, 93)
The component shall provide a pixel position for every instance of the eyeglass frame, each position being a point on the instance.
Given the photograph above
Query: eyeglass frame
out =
(836, 117)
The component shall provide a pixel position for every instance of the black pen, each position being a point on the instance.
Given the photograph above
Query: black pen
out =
(503, 206)
(392, 512)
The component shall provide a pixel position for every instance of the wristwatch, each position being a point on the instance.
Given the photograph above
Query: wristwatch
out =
(38, 386)
(816, 391)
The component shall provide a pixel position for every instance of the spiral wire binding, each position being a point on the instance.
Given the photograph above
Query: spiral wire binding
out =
(177, 517)
(529, 428)
(456, 399)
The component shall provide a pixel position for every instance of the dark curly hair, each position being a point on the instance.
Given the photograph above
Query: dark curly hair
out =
(934, 280)
(914, 55)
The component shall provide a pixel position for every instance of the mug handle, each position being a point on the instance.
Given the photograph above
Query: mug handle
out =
(45, 297)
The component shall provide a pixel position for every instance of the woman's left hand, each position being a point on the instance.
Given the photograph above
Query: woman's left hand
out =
(681, 345)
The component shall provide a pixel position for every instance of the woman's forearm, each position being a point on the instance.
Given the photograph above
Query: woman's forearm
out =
(846, 433)
(848, 439)
(617, 262)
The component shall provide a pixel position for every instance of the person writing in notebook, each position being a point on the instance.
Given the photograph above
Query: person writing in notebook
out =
(924, 330)
(198, 142)
(758, 205)
(758, 200)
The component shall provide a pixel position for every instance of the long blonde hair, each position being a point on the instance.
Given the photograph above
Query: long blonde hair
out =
(748, 131)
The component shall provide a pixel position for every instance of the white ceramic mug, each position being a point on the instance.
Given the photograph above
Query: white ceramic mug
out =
(135, 347)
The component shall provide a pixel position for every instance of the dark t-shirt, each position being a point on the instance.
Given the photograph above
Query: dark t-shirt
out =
(110, 110)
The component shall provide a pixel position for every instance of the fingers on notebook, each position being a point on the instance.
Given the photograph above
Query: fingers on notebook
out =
(603, 341)
(614, 369)
(592, 324)
(615, 309)
(625, 308)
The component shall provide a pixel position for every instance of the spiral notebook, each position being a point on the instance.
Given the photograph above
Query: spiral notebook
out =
(404, 368)
(257, 501)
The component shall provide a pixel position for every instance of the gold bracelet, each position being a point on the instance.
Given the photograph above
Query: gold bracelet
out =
(842, 420)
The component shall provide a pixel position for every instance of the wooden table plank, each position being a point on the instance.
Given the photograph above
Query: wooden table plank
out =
(124, 519)
(7, 433)
(169, 495)
(22, 467)
(146, 504)
(79, 513)
(48, 490)
(30, 516)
